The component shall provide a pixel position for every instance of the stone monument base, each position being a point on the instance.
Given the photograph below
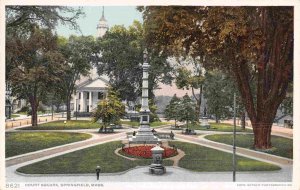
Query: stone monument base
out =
(144, 136)
(204, 122)
(157, 169)
(143, 139)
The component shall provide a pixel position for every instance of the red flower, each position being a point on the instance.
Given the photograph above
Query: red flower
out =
(145, 151)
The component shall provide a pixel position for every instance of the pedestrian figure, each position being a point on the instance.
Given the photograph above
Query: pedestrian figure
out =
(98, 172)
(172, 135)
(133, 133)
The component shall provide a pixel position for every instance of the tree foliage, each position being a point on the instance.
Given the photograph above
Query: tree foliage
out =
(77, 51)
(186, 108)
(252, 44)
(33, 63)
(172, 109)
(120, 58)
(109, 110)
(190, 76)
(34, 66)
(22, 17)
(218, 95)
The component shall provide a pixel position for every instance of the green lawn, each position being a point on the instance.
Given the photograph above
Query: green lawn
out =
(223, 127)
(135, 124)
(281, 146)
(197, 158)
(17, 143)
(86, 160)
(14, 115)
(60, 125)
(203, 159)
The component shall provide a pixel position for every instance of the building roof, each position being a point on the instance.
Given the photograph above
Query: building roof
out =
(98, 83)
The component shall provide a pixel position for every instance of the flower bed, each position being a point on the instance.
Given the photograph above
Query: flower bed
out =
(145, 151)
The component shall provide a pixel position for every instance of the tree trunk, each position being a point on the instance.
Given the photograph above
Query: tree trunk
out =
(68, 109)
(262, 135)
(243, 120)
(198, 103)
(217, 120)
(34, 106)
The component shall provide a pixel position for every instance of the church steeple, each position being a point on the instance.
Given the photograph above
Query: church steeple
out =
(102, 18)
(102, 26)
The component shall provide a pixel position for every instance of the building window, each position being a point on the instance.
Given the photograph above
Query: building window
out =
(79, 107)
(100, 95)
(87, 95)
(79, 95)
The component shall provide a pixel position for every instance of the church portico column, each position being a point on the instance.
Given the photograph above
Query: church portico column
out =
(90, 101)
(82, 102)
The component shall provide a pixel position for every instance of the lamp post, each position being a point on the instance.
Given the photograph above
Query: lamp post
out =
(234, 138)
(8, 101)
(52, 108)
(76, 108)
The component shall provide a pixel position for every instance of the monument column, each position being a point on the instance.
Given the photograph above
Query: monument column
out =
(145, 134)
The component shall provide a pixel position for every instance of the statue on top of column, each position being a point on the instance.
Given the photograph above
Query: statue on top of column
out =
(145, 55)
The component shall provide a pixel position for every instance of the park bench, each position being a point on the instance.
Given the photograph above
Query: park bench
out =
(188, 132)
(107, 130)
(176, 127)
(129, 135)
(165, 135)
(114, 126)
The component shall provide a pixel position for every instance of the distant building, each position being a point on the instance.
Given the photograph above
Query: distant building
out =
(88, 94)
(90, 90)
(93, 88)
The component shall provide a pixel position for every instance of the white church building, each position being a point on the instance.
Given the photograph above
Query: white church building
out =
(93, 88)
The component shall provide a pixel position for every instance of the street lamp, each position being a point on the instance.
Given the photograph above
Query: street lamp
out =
(76, 108)
(234, 138)
(8, 101)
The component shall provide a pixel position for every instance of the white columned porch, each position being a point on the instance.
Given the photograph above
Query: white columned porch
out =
(83, 102)
(90, 101)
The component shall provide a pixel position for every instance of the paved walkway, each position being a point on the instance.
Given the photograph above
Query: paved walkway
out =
(141, 174)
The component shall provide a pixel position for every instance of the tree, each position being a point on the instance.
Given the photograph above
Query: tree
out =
(171, 111)
(186, 108)
(109, 110)
(218, 95)
(34, 66)
(252, 44)
(194, 80)
(287, 104)
(78, 55)
(33, 63)
(55, 97)
(22, 17)
(120, 58)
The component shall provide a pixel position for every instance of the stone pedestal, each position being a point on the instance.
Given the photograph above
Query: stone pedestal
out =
(156, 167)
(204, 122)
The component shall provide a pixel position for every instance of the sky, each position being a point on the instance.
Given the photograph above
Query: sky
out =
(115, 15)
